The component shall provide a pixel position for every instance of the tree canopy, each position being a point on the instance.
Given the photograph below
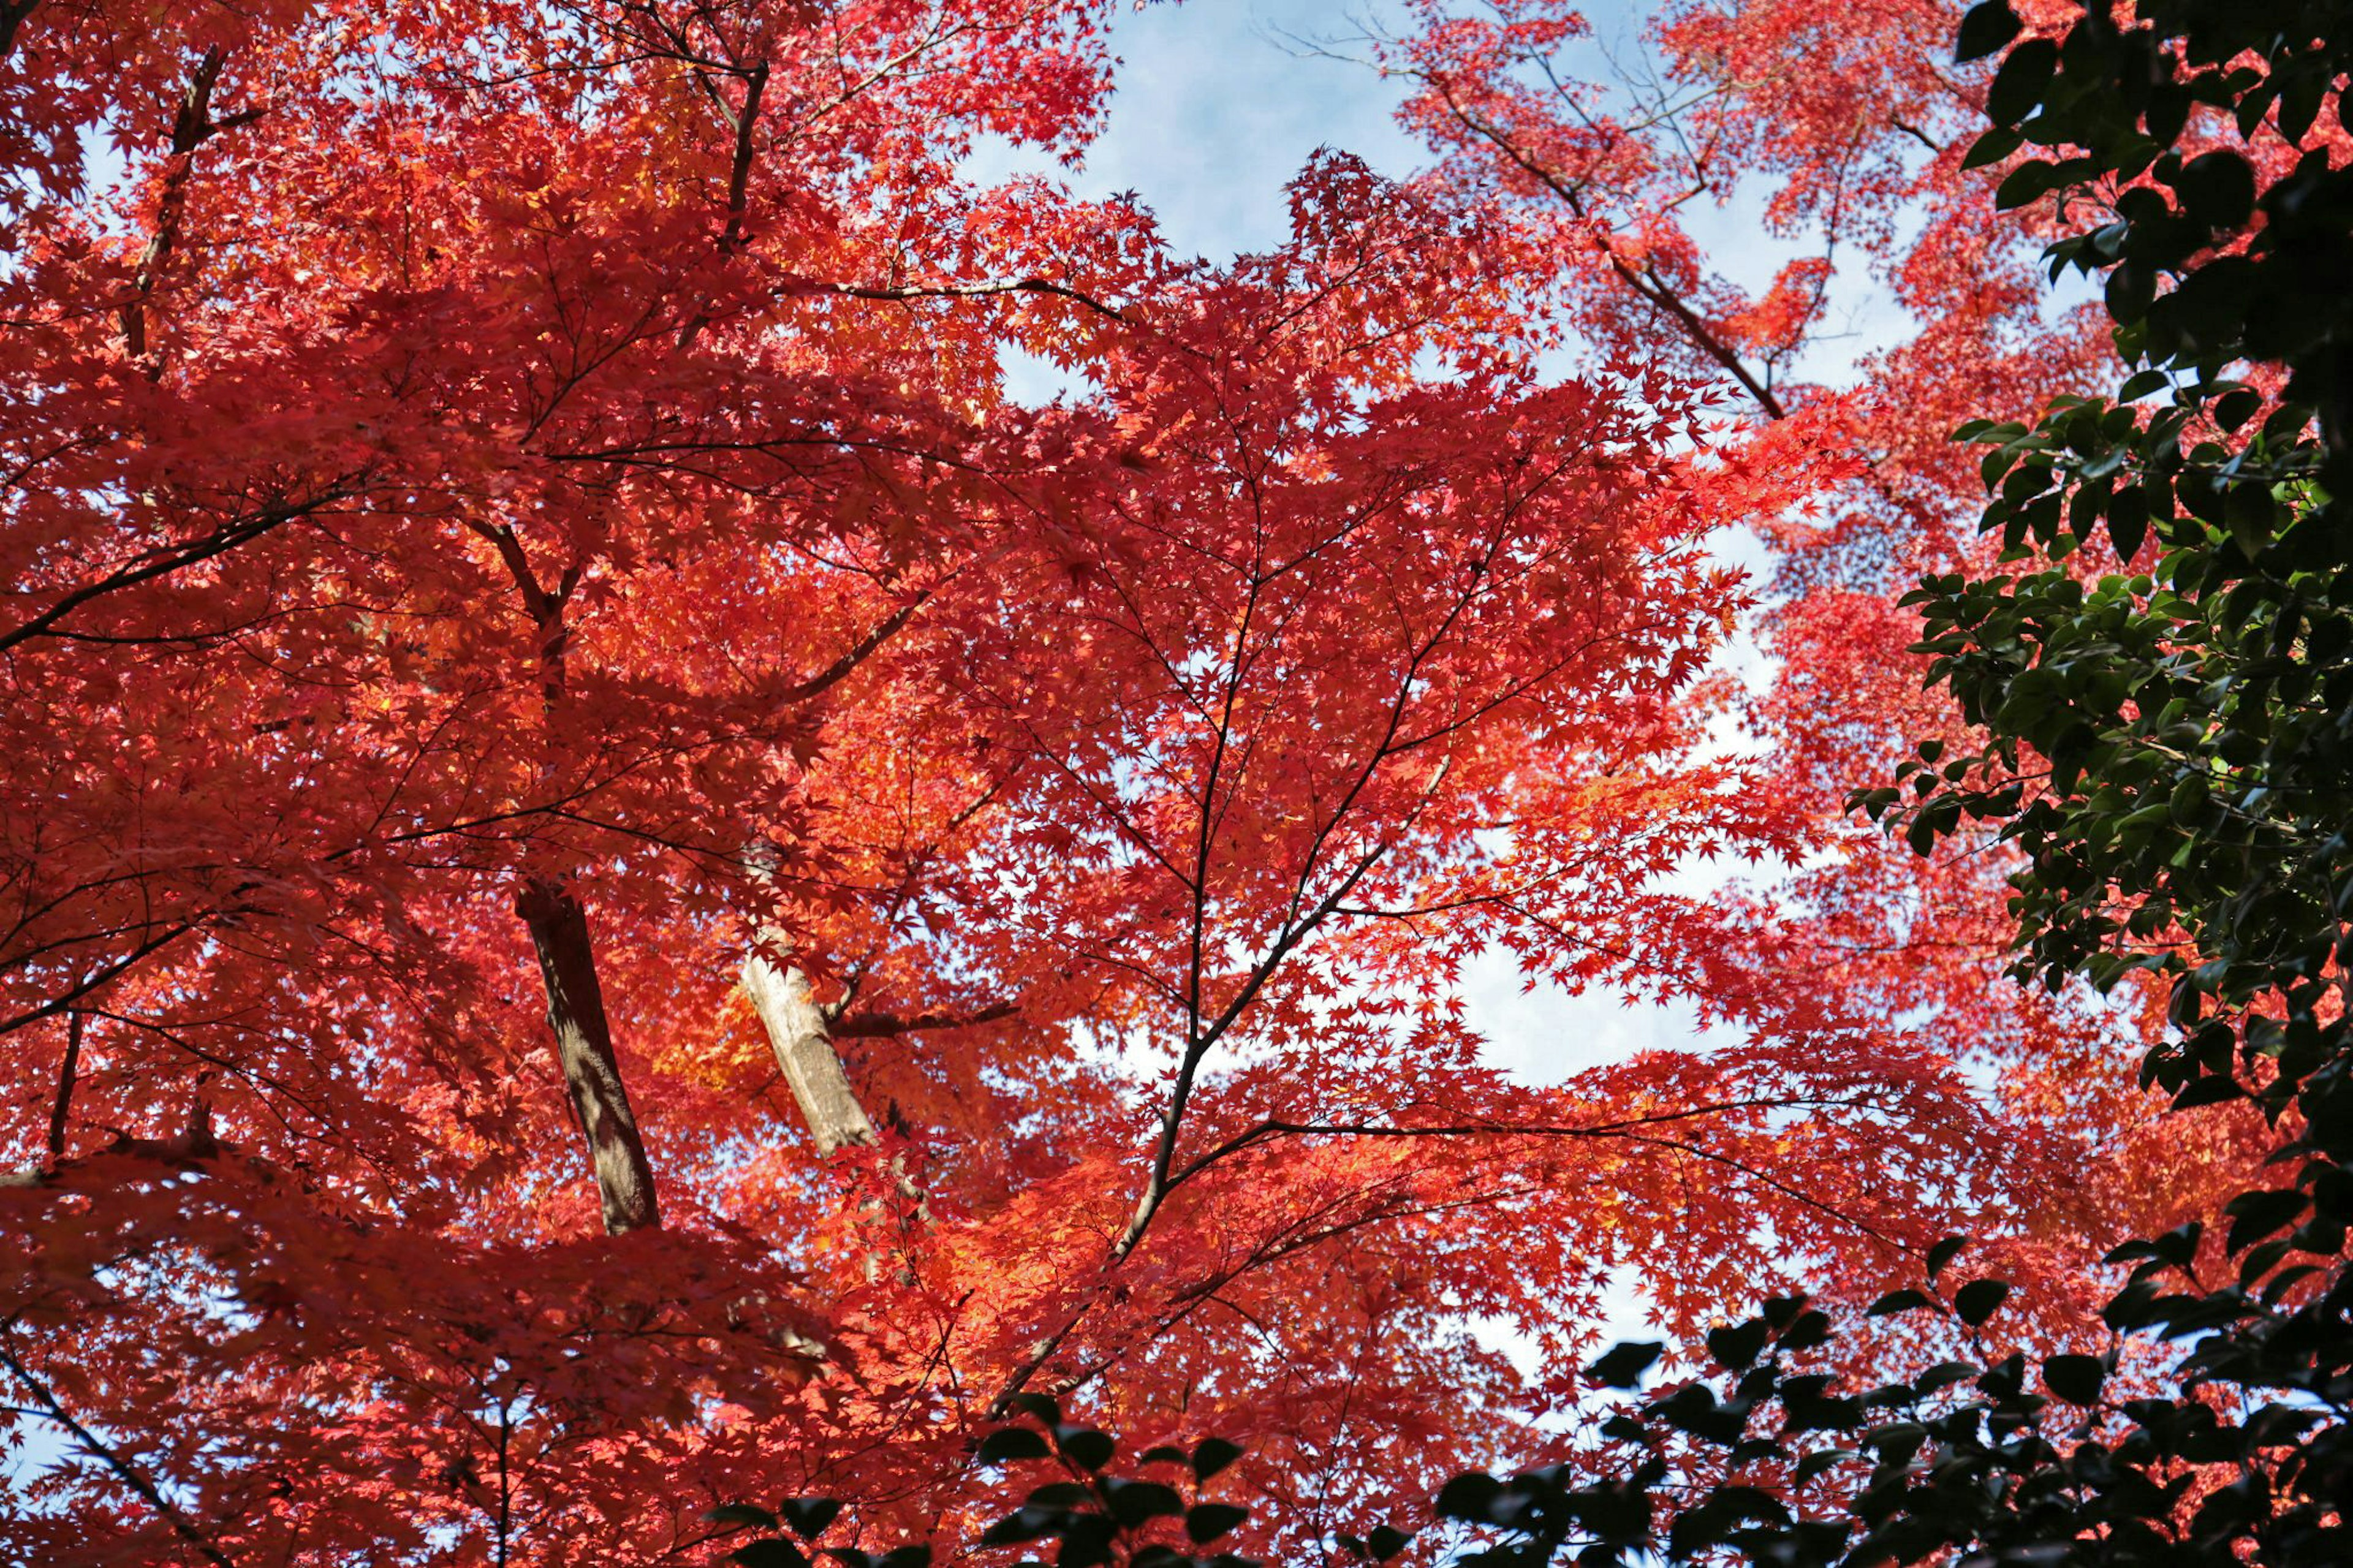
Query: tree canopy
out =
(631, 889)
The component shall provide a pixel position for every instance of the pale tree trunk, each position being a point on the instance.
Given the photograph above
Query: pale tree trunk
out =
(805, 1053)
(584, 1044)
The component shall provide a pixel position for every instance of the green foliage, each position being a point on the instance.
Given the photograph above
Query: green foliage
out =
(1096, 1517)
(2117, 104)
(2171, 749)
(1090, 1516)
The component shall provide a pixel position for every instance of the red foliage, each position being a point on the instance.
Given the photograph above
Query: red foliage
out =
(486, 454)
(1848, 127)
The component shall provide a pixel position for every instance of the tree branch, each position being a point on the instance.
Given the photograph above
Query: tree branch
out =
(973, 291)
(865, 648)
(163, 560)
(125, 1471)
(869, 1026)
(1644, 282)
(1276, 1127)
(83, 988)
(61, 1107)
(190, 128)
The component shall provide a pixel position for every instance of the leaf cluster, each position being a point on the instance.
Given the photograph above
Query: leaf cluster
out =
(1997, 1458)
(2168, 749)
(2127, 108)
(1777, 1458)
(1096, 1516)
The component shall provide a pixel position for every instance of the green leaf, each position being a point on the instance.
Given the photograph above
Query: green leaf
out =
(1943, 1375)
(1900, 1301)
(1024, 1524)
(1735, 1346)
(1205, 1521)
(2024, 183)
(2259, 1213)
(2208, 1089)
(2249, 511)
(2218, 188)
(2233, 409)
(1813, 1466)
(775, 1552)
(1134, 1502)
(1943, 1253)
(1985, 28)
(1386, 1540)
(1467, 1496)
(1062, 1494)
(2127, 523)
(1992, 147)
(2018, 86)
(808, 1516)
(1211, 1454)
(743, 1513)
(2075, 1378)
(1039, 1407)
(1086, 1542)
(1921, 834)
(1009, 1443)
(1807, 1331)
(1085, 1446)
(1976, 1302)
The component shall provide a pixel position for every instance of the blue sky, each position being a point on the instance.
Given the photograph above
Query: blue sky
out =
(1216, 109)
(1219, 103)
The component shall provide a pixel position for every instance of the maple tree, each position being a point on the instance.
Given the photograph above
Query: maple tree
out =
(2159, 749)
(535, 628)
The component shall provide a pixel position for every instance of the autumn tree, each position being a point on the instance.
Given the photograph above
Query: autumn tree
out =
(1854, 136)
(624, 880)
(2152, 675)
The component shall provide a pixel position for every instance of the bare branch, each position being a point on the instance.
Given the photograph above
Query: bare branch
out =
(83, 988)
(863, 649)
(163, 560)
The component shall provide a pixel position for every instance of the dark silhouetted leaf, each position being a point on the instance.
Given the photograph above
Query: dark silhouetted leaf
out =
(1622, 1365)
(1976, 1302)
(1211, 1454)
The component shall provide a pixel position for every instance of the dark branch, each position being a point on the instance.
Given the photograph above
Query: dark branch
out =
(125, 1471)
(869, 1026)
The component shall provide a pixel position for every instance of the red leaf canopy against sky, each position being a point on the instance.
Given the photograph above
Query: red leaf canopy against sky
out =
(628, 885)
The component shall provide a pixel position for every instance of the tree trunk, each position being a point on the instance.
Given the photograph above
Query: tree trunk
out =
(61, 1107)
(804, 1053)
(583, 1043)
